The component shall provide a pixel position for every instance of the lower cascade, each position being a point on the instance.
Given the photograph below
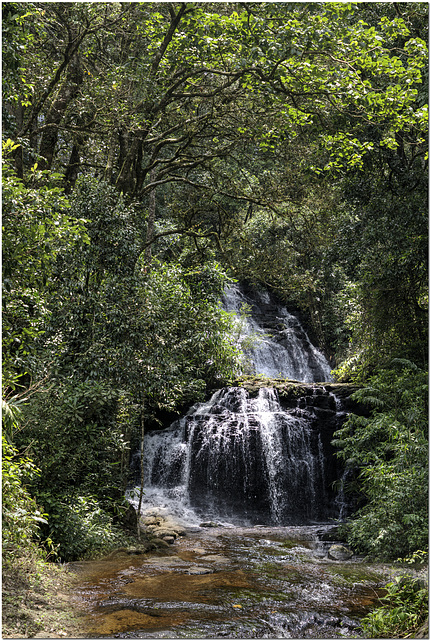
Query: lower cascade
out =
(248, 458)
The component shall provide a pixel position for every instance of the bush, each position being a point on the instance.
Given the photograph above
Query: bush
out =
(404, 609)
(74, 438)
(389, 451)
(80, 526)
(20, 512)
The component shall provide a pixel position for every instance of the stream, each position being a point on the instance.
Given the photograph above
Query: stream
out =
(231, 582)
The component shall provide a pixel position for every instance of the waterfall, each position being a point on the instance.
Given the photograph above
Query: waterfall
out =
(251, 456)
(280, 347)
(243, 459)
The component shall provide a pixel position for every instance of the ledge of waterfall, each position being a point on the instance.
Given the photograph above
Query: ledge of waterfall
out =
(287, 386)
(292, 389)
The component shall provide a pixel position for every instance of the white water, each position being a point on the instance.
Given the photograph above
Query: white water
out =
(240, 460)
(281, 351)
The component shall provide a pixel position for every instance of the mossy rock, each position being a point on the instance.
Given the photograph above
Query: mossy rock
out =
(339, 552)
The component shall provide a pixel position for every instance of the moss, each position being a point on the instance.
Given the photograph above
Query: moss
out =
(288, 388)
(350, 575)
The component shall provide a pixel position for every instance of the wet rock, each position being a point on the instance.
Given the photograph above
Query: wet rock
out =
(161, 527)
(329, 534)
(151, 520)
(166, 561)
(138, 550)
(216, 558)
(159, 543)
(210, 523)
(164, 532)
(339, 552)
(199, 571)
(169, 539)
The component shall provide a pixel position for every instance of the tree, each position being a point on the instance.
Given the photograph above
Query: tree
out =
(119, 344)
(36, 226)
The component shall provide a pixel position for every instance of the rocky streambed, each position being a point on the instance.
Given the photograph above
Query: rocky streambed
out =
(216, 581)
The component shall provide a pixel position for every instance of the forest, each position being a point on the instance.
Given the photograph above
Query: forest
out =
(154, 153)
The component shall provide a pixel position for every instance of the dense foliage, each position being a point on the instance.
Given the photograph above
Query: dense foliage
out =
(152, 152)
(403, 612)
(20, 514)
(389, 449)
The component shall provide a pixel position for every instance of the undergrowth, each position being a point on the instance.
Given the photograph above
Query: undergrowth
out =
(403, 611)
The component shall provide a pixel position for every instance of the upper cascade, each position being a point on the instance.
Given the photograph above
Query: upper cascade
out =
(280, 347)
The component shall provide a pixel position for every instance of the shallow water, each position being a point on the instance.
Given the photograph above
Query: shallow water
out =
(230, 583)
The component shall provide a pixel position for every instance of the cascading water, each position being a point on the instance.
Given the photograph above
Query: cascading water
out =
(252, 457)
(280, 347)
(245, 459)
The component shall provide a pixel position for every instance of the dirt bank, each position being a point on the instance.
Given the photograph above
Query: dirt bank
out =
(37, 600)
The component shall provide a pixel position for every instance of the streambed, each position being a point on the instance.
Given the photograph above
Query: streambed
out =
(230, 582)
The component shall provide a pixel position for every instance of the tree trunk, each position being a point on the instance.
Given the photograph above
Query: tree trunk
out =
(72, 170)
(108, 172)
(142, 435)
(151, 224)
(19, 152)
(66, 93)
(126, 178)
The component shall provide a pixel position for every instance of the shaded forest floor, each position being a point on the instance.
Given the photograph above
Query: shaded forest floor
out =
(37, 600)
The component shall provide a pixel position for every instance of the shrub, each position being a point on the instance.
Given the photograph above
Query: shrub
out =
(20, 512)
(389, 450)
(80, 526)
(404, 609)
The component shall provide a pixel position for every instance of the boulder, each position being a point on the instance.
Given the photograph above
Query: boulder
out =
(161, 527)
(151, 520)
(159, 543)
(339, 552)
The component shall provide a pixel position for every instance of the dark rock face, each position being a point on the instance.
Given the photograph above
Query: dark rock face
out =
(253, 458)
